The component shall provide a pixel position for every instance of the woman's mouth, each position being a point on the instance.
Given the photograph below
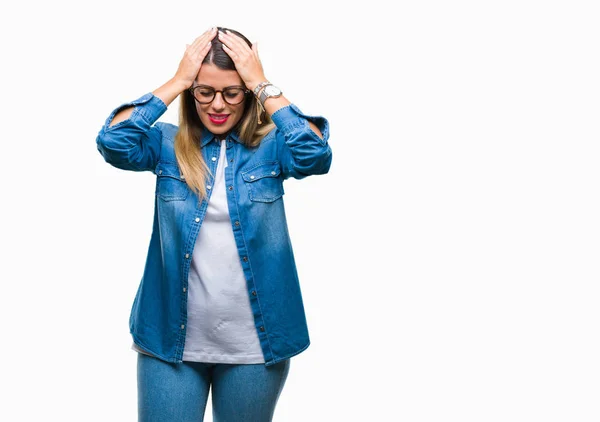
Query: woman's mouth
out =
(218, 119)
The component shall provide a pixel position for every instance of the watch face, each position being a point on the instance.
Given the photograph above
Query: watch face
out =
(272, 90)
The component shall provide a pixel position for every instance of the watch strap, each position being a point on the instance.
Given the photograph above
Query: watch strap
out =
(263, 95)
(260, 86)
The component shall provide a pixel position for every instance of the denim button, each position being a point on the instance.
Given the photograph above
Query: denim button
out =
(253, 292)
(261, 328)
(187, 255)
(251, 177)
(245, 259)
(197, 219)
(214, 158)
(184, 290)
(230, 187)
(208, 187)
(182, 326)
(237, 223)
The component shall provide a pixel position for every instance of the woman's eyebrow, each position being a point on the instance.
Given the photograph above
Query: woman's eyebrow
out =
(208, 86)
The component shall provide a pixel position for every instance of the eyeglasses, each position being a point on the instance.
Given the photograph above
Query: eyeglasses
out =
(232, 95)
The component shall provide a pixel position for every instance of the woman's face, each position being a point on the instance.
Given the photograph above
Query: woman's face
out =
(219, 117)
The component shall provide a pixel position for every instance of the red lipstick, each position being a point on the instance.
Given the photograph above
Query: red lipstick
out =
(218, 119)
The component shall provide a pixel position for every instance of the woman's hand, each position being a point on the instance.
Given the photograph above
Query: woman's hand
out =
(246, 59)
(192, 58)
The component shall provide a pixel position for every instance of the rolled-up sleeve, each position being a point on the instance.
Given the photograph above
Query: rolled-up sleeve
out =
(301, 151)
(133, 144)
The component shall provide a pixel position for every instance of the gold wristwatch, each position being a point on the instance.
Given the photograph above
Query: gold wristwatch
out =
(268, 91)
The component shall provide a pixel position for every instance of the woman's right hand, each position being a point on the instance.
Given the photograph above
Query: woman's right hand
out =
(192, 58)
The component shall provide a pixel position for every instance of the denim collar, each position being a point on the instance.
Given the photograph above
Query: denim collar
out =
(208, 136)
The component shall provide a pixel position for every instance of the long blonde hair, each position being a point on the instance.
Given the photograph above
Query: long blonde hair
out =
(187, 140)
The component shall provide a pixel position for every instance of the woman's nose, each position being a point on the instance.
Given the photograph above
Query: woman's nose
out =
(218, 101)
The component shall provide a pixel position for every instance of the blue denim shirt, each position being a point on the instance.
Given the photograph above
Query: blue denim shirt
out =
(254, 179)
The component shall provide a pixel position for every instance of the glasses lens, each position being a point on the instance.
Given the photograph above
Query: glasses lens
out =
(204, 95)
(233, 95)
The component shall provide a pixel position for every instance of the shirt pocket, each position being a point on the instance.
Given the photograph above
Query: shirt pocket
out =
(170, 183)
(263, 181)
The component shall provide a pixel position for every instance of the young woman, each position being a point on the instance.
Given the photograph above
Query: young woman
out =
(219, 303)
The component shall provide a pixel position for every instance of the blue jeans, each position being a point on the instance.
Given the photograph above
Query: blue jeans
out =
(178, 392)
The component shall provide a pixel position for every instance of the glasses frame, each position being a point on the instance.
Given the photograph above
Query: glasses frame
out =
(244, 89)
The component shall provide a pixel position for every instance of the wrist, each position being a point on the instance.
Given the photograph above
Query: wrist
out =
(179, 84)
(256, 84)
(268, 90)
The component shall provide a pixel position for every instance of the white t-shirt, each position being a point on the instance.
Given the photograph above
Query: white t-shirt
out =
(220, 326)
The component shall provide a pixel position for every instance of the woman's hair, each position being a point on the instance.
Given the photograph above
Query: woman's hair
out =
(187, 140)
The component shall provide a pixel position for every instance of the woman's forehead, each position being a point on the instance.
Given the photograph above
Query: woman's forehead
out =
(211, 75)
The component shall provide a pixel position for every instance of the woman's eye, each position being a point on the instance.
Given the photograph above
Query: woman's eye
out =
(233, 93)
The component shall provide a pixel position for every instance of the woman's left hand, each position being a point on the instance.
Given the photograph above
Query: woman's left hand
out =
(246, 59)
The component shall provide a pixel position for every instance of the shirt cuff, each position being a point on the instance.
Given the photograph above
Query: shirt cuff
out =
(149, 107)
(290, 117)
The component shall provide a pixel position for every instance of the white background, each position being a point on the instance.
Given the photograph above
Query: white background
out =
(448, 261)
